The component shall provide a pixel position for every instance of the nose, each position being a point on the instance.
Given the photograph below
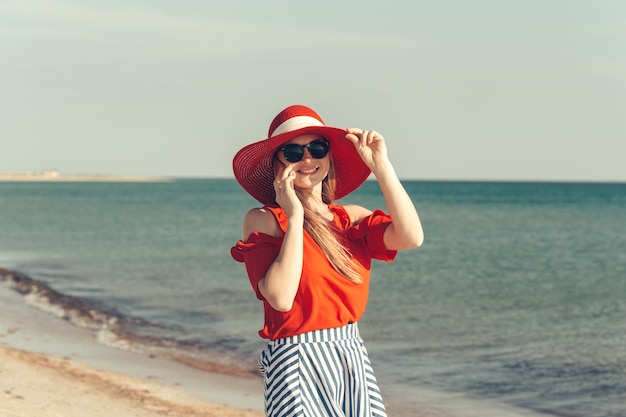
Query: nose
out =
(307, 153)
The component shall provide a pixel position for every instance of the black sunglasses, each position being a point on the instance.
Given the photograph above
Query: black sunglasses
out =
(293, 152)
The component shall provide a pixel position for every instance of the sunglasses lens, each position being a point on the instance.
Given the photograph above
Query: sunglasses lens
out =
(293, 153)
(318, 149)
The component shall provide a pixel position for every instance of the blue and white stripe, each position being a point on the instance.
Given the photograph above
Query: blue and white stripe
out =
(324, 373)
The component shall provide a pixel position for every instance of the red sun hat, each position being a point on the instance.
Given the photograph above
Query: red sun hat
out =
(253, 164)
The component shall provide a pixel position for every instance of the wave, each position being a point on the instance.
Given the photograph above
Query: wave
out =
(121, 331)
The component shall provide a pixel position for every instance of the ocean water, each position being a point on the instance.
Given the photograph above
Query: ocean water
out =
(516, 302)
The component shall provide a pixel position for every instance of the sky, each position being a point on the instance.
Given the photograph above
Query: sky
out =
(461, 90)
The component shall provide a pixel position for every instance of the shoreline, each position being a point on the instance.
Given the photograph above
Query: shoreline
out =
(37, 342)
(107, 326)
(44, 357)
(42, 385)
(50, 367)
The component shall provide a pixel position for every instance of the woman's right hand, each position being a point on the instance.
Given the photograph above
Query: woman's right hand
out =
(284, 188)
(280, 284)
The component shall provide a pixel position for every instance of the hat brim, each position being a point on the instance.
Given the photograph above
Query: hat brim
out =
(254, 170)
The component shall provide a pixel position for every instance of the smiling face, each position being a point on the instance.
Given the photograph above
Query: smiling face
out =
(310, 171)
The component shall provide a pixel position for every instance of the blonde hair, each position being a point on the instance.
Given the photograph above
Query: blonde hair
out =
(327, 235)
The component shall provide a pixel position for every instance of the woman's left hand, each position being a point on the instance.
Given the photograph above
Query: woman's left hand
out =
(369, 144)
(405, 231)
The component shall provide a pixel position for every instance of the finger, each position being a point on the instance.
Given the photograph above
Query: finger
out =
(279, 171)
(291, 181)
(352, 138)
(279, 167)
(285, 181)
(364, 138)
(288, 173)
(355, 133)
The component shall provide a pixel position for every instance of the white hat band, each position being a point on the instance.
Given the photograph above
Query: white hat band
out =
(294, 123)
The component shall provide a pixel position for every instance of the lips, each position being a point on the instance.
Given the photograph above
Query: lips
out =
(308, 171)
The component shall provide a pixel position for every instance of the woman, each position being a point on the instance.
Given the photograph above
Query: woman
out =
(309, 259)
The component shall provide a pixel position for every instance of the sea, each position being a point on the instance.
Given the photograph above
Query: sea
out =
(515, 304)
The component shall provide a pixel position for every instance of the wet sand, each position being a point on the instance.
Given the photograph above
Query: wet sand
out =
(33, 384)
(48, 367)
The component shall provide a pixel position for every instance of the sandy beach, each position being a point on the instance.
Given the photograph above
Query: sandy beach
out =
(50, 368)
(33, 384)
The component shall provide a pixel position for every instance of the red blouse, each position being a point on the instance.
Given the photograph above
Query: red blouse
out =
(325, 299)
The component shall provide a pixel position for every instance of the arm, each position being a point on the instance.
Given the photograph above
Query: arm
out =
(280, 284)
(406, 230)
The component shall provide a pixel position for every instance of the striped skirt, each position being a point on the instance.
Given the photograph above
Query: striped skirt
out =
(324, 373)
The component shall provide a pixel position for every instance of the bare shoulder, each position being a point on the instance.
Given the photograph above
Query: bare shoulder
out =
(356, 213)
(260, 220)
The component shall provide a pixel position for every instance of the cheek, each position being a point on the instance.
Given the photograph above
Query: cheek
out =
(326, 166)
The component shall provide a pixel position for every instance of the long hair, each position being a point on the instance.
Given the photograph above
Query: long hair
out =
(327, 235)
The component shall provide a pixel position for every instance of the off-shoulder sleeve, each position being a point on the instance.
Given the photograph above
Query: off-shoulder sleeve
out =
(371, 229)
(257, 253)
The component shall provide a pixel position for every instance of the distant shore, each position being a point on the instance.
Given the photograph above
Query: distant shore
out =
(54, 176)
